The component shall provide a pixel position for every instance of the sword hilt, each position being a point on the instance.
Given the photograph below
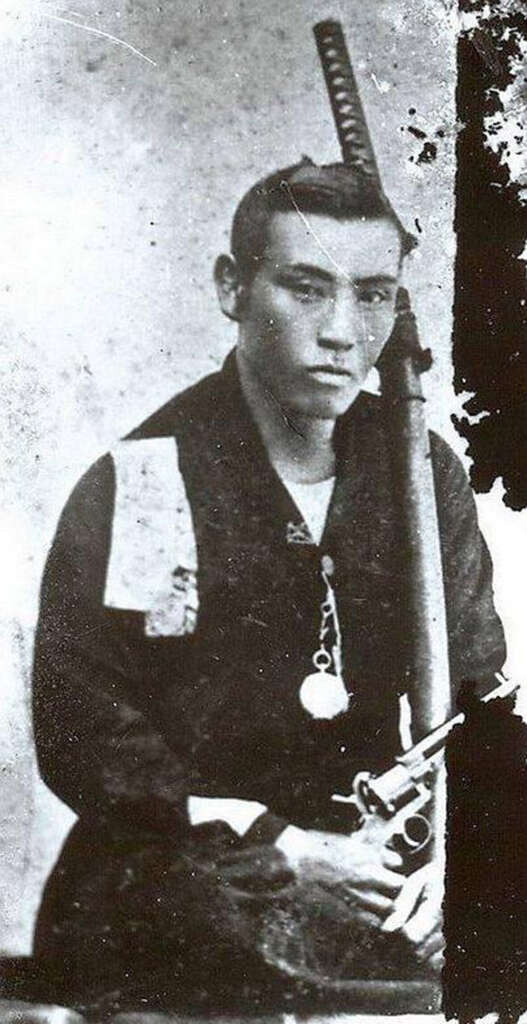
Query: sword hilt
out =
(355, 142)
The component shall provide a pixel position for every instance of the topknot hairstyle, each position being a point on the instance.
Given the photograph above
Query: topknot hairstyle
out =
(334, 189)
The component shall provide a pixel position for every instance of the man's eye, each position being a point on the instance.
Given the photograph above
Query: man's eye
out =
(306, 291)
(375, 296)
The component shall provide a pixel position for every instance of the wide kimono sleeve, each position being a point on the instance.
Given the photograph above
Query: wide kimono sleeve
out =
(98, 749)
(476, 639)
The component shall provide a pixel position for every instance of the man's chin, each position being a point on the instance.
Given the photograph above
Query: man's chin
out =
(327, 407)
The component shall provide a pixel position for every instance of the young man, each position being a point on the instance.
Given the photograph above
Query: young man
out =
(222, 616)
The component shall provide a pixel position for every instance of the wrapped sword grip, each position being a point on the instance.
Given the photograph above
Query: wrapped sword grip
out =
(357, 150)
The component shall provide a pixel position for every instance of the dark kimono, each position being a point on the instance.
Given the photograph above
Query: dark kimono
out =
(137, 707)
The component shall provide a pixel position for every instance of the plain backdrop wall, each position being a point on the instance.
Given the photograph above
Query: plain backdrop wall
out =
(121, 161)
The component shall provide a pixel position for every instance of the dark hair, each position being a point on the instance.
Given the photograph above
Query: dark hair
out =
(333, 189)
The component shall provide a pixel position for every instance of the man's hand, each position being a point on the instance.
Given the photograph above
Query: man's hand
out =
(417, 913)
(368, 873)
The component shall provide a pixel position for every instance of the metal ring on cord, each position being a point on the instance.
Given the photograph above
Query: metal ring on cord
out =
(322, 659)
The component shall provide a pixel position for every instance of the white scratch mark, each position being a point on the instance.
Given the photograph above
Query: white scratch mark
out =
(312, 231)
(382, 86)
(105, 35)
(323, 249)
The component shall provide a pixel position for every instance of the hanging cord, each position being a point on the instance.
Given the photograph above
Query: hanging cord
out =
(323, 693)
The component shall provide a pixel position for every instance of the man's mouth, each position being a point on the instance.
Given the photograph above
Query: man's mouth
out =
(328, 373)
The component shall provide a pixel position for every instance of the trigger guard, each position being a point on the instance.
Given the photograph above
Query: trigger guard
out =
(362, 791)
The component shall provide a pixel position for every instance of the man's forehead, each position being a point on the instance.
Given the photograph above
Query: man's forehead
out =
(358, 247)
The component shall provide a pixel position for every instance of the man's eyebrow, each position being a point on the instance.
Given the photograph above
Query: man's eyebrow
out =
(308, 268)
(376, 279)
(313, 271)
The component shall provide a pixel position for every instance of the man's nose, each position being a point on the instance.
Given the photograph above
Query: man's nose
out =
(338, 326)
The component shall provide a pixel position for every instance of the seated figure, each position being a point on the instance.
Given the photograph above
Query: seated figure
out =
(223, 618)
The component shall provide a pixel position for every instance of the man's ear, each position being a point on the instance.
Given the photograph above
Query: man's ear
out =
(228, 286)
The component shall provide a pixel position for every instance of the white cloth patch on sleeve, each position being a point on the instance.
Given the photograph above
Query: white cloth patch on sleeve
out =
(153, 559)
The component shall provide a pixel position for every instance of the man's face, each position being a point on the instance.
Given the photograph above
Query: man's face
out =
(319, 310)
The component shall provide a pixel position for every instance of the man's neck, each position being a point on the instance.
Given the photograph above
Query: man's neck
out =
(299, 447)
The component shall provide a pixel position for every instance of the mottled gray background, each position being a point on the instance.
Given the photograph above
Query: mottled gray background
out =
(118, 181)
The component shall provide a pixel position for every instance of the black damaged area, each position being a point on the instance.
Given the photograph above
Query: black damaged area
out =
(485, 910)
(429, 150)
(490, 306)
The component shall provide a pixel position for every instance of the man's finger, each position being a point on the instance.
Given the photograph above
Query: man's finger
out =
(405, 903)
(426, 919)
(392, 859)
(436, 961)
(432, 945)
(370, 900)
(385, 881)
